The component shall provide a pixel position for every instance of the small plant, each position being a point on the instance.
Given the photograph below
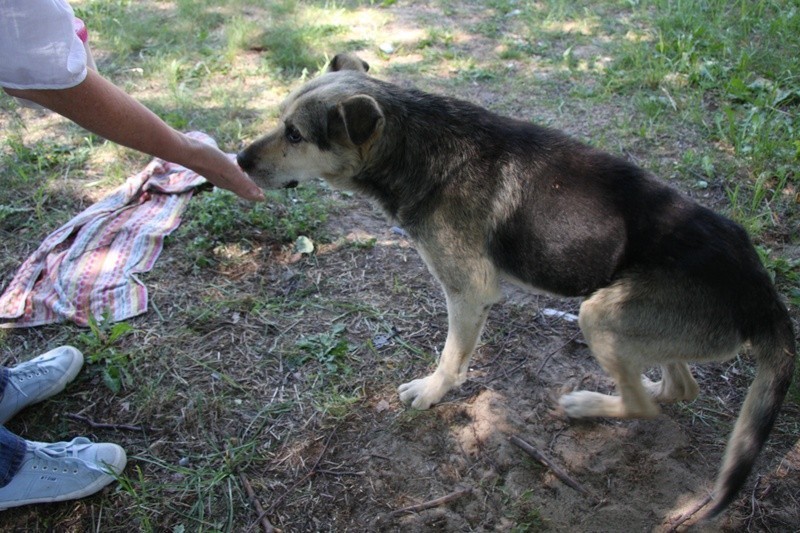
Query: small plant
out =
(436, 37)
(329, 349)
(140, 496)
(100, 346)
(474, 73)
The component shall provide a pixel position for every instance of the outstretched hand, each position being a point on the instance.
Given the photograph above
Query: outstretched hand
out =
(222, 170)
(103, 108)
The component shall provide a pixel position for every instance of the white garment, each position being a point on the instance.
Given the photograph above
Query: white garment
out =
(38, 45)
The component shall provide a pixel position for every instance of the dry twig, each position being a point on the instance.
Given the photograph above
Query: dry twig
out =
(99, 425)
(679, 520)
(265, 523)
(559, 472)
(433, 503)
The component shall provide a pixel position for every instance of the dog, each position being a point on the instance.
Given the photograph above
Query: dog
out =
(487, 198)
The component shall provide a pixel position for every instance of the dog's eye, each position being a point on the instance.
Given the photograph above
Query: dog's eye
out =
(292, 135)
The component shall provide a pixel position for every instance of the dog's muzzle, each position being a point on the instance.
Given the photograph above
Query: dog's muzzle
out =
(246, 162)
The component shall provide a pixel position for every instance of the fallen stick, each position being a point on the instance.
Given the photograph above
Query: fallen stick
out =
(679, 520)
(432, 503)
(265, 523)
(99, 425)
(559, 472)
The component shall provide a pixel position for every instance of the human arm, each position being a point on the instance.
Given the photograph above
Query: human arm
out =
(103, 108)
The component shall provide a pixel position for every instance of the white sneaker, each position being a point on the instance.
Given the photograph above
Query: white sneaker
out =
(62, 471)
(41, 377)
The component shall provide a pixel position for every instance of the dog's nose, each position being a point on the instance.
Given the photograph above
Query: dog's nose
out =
(245, 161)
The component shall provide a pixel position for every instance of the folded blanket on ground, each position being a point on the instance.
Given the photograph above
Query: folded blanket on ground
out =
(88, 266)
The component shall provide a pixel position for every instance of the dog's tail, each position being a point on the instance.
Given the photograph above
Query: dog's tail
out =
(775, 354)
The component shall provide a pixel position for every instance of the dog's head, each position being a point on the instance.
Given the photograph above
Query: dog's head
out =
(326, 129)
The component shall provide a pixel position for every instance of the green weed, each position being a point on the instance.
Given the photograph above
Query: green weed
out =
(330, 350)
(436, 37)
(357, 244)
(100, 344)
(136, 489)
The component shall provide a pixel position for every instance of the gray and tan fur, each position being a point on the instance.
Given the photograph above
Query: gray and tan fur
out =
(488, 198)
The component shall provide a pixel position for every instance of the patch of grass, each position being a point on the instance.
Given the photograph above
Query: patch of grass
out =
(784, 272)
(202, 490)
(299, 39)
(516, 49)
(32, 199)
(130, 30)
(294, 50)
(436, 37)
(472, 72)
(220, 217)
(523, 512)
(723, 56)
(27, 161)
(336, 404)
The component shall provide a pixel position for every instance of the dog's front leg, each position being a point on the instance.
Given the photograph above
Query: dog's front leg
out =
(466, 314)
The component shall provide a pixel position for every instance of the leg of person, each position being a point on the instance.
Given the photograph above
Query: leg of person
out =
(35, 380)
(12, 452)
(35, 472)
(43, 472)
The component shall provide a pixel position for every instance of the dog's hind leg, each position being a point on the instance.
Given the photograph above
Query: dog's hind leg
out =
(646, 319)
(677, 384)
(467, 310)
(633, 400)
(607, 323)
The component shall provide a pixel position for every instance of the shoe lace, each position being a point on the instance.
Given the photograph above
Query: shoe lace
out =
(51, 455)
(13, 383)
(21, 376)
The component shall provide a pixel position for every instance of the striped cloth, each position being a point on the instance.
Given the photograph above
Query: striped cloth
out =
(88, 266)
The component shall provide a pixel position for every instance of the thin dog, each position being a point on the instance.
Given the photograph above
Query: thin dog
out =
(489, 198)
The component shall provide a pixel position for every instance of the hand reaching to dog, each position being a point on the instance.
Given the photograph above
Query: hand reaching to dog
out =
(103, 108)
(221, 170)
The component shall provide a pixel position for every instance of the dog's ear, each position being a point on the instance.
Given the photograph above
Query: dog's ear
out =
(347, 62)
(359, 116)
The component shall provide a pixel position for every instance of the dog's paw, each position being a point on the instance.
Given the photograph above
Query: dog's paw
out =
(586, 404)
(577, 404)
(424, 392)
